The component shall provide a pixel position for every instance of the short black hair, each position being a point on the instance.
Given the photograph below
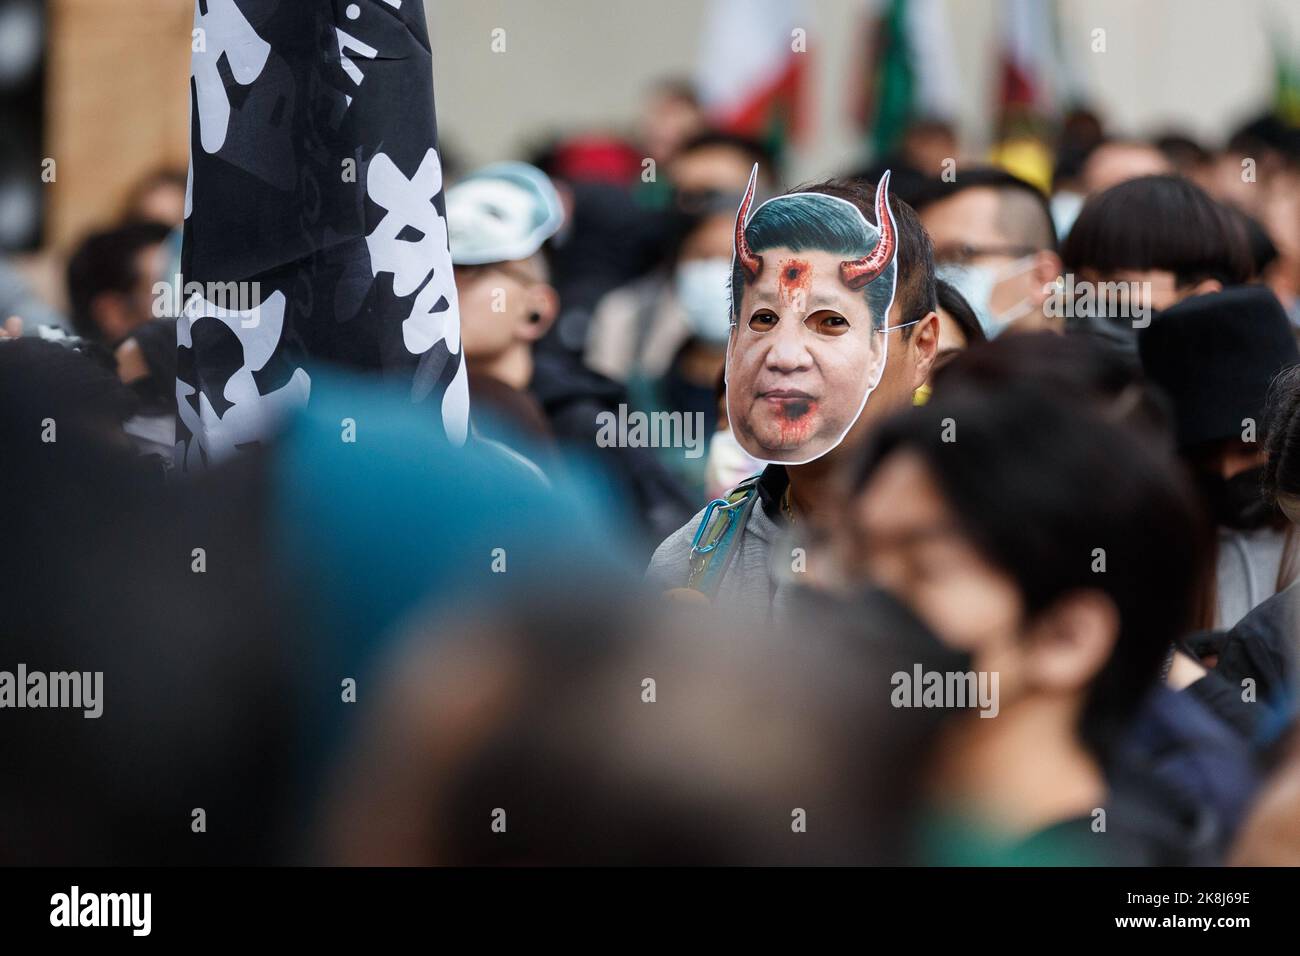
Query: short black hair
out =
(904, 181)
(1266, 133)
(178, 178)
(1182, 151)
(1081, 131)
(1038, 482)
(684, 225)
(915, 290)
(1080, 366)
(955, 304)
(755, 151)
(1252, 234)
(105, 262)
(677, 88)
(1024, 215)
(1160, 222)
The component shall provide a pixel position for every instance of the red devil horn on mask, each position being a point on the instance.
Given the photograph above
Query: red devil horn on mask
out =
(748, 260)
(858, 272)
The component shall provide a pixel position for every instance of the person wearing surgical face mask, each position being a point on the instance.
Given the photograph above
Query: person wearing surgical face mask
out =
(727, 464)
(1215, 355)
(978, 285)
(637, 329)
(700, 283)
(701, 289)
(994, 241)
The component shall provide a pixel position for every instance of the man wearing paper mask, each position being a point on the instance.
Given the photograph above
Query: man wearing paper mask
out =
(833, 327)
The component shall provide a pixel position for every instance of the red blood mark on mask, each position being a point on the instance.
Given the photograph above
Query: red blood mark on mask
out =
(794, 279)
(795, 419)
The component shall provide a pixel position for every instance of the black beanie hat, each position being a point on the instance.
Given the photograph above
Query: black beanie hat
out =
(1215, 355)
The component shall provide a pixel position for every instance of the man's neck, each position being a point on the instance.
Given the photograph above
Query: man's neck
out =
(815, 489)
(514, 367)
(820, 488)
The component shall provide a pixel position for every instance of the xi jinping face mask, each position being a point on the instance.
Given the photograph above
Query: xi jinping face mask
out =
(812, 284)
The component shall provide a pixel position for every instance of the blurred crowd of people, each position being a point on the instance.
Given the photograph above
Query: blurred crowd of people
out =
(1079, 472)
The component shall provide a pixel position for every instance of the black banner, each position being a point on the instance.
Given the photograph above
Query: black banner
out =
(314, 228)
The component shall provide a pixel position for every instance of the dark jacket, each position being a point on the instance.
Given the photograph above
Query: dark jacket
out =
(573, 396)
(1203, 767)
(1263, 645)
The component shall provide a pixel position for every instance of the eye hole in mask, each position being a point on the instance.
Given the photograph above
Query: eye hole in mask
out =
(826, 323)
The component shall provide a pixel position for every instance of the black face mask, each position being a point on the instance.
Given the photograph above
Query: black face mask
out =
(1238, 502)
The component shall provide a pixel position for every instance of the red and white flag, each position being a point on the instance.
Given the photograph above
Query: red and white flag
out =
(754, 67)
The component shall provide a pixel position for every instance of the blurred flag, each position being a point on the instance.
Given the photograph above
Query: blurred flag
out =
(314, 228)
(1286, 80)
(1029, 90)
(907, 71)
(754, 66)
(1034, 83)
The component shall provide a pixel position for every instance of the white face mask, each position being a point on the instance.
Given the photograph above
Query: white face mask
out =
(703, 289)
(976, 285)
(727, 464)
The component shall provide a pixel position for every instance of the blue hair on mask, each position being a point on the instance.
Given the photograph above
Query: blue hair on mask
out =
(814, 221)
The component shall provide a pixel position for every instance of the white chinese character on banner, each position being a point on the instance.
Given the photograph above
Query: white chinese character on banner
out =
(225, 31)
(251, 414)
(409, 203)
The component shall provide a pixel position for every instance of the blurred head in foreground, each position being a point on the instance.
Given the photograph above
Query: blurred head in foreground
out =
(1055, 546)
(613, 734)
(1061, 551)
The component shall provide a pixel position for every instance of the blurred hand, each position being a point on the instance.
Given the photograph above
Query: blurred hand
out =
(1184, 671)
(131, 365)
